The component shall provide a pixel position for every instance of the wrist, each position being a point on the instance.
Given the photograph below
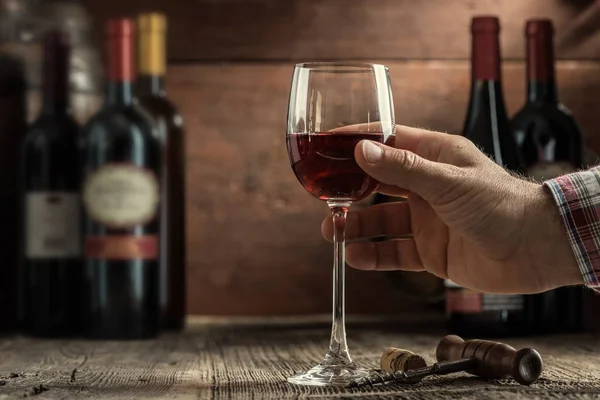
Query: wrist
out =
(551, 253)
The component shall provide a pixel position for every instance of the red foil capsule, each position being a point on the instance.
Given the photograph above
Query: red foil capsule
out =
(486, 48)
(539, 34)
(120, 34)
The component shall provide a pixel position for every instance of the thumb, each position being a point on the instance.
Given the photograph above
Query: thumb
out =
(407, 170)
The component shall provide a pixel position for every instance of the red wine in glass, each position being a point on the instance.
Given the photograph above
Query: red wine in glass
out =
(324, 164)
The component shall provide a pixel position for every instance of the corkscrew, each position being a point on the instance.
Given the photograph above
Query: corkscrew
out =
(484, 358)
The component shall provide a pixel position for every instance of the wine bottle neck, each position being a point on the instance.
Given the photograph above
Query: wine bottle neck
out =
(485, 57)
(486, 76)
(151, 85)
(541, 92)
(55, 84)
(541, 86)
(152, 60)
(120, 93)
(55, 92)
(121, 68)
(487, 87)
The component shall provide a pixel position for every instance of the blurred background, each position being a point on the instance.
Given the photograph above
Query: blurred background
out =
(254, 245)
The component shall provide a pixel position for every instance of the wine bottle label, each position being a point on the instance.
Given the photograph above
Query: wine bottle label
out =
(466, 301)
(548, 170)
(121, 247)
(121, 195)
(52, 225)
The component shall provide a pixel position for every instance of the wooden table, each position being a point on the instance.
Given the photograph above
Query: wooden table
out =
(251, 359)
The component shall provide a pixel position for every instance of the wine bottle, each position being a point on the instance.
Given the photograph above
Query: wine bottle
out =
(121, 161)
(51, 257)
(13, 125)
(550, 144)
(471, 313)
(169, 124)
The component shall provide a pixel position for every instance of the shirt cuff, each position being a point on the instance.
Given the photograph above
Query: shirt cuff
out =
(577, 196)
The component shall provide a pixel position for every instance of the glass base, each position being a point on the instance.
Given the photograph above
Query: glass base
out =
(340, 374)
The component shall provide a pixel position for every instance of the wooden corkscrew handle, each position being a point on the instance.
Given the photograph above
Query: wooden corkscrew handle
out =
(495, 360)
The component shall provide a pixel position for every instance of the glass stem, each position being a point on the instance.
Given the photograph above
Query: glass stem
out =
(338, 347)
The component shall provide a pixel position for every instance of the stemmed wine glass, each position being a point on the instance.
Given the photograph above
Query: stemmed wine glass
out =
(332, 107)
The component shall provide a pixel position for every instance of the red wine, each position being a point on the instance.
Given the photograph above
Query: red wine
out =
(13, 125)
(469, 313)
(324, 164)
(169, 130)
(550, 144)
(121, 165)
(51, 253)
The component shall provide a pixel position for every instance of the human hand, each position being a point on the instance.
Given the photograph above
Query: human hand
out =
(471, 221)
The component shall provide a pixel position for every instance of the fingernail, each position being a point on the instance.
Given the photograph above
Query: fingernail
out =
(372, 152)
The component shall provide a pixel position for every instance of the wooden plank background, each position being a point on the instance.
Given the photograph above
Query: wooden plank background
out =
(254, 242)
(333, 29)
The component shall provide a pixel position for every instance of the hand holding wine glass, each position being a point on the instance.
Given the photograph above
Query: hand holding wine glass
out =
(471, 221)
(332, 107)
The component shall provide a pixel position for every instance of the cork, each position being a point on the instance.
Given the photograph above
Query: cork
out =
(394, 359)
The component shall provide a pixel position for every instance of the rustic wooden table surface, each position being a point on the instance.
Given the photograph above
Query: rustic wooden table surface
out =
(251, 359)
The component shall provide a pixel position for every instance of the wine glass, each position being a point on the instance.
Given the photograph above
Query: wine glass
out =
(332, 107)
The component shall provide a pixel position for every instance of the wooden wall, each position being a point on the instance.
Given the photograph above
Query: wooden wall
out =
(254, 241)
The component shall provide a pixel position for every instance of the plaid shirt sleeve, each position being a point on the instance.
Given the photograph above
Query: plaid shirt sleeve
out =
(577, 196)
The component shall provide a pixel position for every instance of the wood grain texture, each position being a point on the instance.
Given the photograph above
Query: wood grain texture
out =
(241, 361)
(351, 29)
(253, 232)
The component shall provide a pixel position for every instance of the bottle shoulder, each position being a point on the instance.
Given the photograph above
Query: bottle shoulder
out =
(549, 109)
(486, 109)
(486, 121)
(52, 129)
(552, 117)
(162, 109)
(118, 120)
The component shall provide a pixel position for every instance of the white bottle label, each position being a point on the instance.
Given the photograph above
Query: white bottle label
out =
(121, 195)
(52, 223)
(549, 170)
